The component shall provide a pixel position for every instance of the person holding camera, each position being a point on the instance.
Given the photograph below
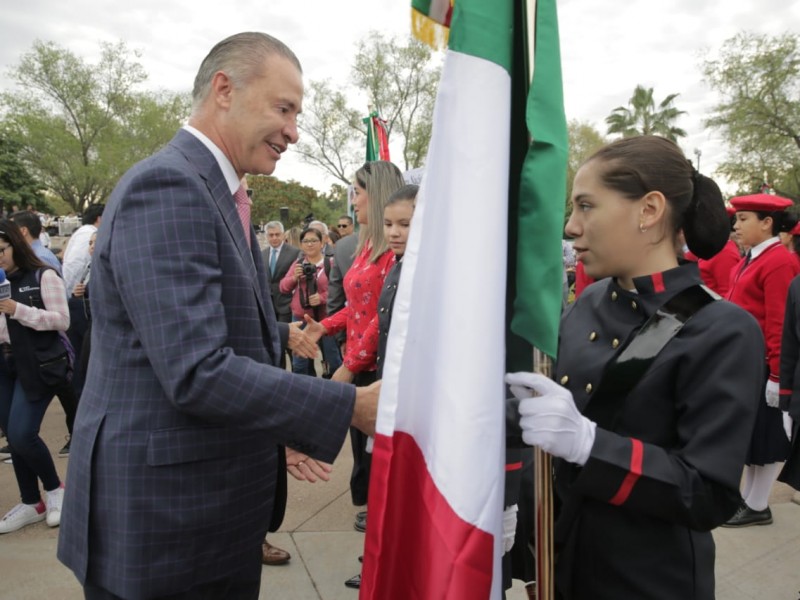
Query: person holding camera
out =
(308, 284)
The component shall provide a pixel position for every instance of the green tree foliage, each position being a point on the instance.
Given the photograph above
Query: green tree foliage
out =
(270, 194)
(328, 207)
(758, 79)
(401, 84)
(399, 80)
(643, 117)
(17, 185)
(584, 140)
(80, 126)
(332, 136)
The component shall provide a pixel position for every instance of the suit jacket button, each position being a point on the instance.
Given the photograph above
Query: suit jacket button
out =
(593, 336)
(613, 296)
(565, 380)
(634, 306)
(615, 343)
(588, 388)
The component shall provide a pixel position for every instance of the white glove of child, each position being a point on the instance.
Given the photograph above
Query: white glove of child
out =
(509, 527)
(773, 393)
(550, 419)
(787, 425)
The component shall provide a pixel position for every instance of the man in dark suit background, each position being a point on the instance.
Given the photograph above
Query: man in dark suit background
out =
(187, 424)
(284, 256)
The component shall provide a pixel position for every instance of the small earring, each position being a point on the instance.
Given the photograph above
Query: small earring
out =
(642, 228)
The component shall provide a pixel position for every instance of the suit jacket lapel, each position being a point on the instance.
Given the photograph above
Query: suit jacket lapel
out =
(209, 170)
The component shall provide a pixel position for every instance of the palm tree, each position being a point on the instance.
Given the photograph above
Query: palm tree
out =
(642, 117)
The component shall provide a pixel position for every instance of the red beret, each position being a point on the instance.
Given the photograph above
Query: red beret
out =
(761, 203)
(730, 210)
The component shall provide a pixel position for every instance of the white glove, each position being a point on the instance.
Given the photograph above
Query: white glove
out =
(509, 527)
(787, 425)
(773, 393)
(550, 419)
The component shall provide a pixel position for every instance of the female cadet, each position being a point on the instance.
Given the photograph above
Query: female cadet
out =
(651, 448)
(760, 286)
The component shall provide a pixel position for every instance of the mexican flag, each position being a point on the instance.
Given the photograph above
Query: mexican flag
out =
(436, 495)
(377, 138)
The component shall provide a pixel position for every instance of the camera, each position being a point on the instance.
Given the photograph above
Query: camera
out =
(310, 276)
(309, 270)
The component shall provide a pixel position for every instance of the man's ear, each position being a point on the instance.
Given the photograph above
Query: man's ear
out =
(221, 89)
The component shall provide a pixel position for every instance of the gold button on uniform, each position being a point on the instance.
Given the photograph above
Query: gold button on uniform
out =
(634, 306)
(613, 296)
(565, 380)
(588, 388)
(593, 336)
(615, 343)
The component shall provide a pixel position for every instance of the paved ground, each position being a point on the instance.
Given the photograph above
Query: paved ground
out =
(754, 563)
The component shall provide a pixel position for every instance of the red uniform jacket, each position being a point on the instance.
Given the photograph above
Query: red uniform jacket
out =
(717, 271)
(760, 288)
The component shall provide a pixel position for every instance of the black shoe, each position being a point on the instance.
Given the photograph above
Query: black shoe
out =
(746, 516)
(360, 524)
(5, 452)
(354, 582)
(65, 450)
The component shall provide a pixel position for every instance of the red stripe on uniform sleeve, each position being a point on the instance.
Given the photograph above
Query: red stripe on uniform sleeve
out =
(637, 454)
(514, 466)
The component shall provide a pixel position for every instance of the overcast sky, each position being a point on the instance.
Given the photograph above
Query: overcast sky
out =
(607, 46)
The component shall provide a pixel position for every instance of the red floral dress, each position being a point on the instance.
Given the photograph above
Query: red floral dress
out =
(362, 288)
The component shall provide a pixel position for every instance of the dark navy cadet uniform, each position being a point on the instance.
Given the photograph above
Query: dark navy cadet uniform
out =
(652, 490)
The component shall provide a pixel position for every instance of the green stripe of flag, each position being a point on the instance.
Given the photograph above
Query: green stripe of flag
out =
(483, 29)
(539, 276)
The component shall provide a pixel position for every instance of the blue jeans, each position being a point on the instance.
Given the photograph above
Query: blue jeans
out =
(330, 353)
(21, 420)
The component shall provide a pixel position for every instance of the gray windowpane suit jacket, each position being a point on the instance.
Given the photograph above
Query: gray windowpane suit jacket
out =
(176, 464)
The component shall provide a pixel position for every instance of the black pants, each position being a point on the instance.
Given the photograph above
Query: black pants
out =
(359, 478)
(227, 589)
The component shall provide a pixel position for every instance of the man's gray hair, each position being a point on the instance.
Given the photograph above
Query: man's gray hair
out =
(275, 225)
(241, 57)
(320, 226)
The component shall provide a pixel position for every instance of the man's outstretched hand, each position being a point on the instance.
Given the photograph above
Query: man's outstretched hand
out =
(300, 342)
(304, 468)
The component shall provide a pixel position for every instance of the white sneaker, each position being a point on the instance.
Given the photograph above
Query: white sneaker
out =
(22, 515)
(53, 500)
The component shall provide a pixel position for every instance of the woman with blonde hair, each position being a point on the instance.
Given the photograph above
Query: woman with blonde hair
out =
(373, 184)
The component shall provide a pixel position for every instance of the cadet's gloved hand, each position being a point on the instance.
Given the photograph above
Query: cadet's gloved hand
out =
(787, 425)
(509, 527)
(550, 419)
(773, 393)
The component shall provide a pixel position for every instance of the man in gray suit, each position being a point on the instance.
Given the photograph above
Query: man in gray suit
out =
(187, 425)
(284, 257)
(278, 257)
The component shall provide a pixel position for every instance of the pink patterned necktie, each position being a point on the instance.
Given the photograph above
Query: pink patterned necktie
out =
(243, 204)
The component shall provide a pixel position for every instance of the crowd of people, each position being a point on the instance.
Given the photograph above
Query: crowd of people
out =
(42, 355)
(185, 417)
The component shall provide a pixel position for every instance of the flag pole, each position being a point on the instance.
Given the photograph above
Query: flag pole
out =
(542, 461)
(543, 504)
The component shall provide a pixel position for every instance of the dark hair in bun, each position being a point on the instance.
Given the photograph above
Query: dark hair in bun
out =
(636, 166)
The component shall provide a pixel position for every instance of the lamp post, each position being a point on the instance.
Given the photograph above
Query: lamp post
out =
(697, 155)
